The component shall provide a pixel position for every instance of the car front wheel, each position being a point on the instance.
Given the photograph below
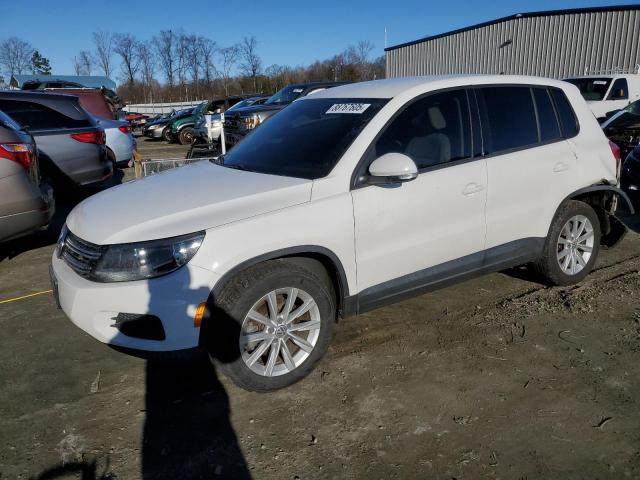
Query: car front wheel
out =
(272, 323)
(185, 137)
(572, 245)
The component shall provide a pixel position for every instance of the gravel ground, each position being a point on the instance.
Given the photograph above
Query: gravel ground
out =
(498, 377)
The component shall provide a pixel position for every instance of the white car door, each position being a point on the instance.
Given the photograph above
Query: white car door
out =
(403, 230)
(530, 167)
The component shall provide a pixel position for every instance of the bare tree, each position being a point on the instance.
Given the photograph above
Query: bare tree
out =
(182, 54)
(104, 50)
(126, 46)
(251, 62)
(207, 50)
(229, 56)
(191, 59)
(165, 48)
(77, 65)
(86, 62)
(15, 56)
(147, 67)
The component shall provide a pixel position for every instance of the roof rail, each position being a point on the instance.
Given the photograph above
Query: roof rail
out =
(613, 71)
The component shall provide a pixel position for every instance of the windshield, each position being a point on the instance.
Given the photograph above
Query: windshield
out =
(306, 139)
(591, 88)
(244, 103)
(284, 96)
(633, 108)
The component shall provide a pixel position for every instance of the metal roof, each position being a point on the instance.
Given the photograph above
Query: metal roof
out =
(613, 8)
(90, 81)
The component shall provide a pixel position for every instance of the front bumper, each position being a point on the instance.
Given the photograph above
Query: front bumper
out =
(174, 298)
(153, 133)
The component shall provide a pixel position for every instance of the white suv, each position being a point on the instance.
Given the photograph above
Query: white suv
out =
(347, 200)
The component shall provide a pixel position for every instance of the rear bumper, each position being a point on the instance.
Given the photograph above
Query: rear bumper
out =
(41, 206)
(24, 223)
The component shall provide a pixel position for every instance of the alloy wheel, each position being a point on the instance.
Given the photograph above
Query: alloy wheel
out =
(279, 332)
(575, 244)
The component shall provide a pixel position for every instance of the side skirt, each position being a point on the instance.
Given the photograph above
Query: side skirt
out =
(498, 258)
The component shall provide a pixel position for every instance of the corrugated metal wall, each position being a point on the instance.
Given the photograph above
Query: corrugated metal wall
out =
(556, 46)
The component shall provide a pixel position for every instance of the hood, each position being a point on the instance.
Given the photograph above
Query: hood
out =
(182, 200)
(160, 121)
(255, 109)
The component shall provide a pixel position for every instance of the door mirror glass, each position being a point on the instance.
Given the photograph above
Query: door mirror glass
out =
(392, 168)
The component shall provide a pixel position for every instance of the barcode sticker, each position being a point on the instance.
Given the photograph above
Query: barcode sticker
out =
(348, 108)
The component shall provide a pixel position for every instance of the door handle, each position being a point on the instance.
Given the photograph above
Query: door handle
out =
(560, 167)
(472, 188)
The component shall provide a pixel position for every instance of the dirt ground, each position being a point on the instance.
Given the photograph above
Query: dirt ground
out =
(498, 377)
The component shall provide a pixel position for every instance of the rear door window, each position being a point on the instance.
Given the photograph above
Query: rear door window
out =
(35, 116)
(547, 120)
(508, 118)
(568, 120)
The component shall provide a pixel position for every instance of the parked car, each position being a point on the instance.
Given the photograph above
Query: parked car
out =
(623, 128)
(242, 121)
(204, 133)
(347, 200)
(606, 93)
(161, 128)
(136, 120)
(71, 145)
(630, 177)
(119, 140)
(182, 128)
(26, 202)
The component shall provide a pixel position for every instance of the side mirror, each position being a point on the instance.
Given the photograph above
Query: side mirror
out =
(392, 168)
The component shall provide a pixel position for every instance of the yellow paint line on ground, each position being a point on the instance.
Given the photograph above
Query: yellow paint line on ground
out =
(15, 299)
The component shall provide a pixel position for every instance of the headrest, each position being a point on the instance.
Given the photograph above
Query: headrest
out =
(436, 118)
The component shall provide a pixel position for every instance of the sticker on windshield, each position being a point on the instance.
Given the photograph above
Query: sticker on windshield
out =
(599, 82)
(348, 107)
(297, 90)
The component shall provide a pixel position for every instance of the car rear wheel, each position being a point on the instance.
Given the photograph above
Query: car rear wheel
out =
(273, 323)
(186, 136)
(572, 245)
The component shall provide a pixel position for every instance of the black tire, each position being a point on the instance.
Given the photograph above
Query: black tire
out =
(548, 266)
(238, 297)
(185, 137)
(166, 134)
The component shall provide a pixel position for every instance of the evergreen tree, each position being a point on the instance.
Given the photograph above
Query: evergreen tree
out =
(39, 64)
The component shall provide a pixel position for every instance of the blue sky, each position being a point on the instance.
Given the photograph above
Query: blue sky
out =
(289, 32)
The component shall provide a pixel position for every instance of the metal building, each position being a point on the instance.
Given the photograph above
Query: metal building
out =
(555, 44)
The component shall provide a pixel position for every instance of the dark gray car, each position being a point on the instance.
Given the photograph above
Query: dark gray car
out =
(26, 203)
(70, 143)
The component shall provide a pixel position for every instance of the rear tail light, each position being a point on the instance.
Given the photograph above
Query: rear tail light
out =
(97, 137)
(17, 152)
(616, 154)
(125, 129)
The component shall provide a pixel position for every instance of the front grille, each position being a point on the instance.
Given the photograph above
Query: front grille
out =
(80, 255)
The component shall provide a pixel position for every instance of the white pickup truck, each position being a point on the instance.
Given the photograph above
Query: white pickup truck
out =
(608, 93)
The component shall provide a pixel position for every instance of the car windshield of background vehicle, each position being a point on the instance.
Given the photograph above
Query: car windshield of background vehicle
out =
(633, 108)
(306, 139)
(592, 89)
(285, 96)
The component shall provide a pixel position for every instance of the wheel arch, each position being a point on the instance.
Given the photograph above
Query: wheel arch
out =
(601, 198)
(325, 256)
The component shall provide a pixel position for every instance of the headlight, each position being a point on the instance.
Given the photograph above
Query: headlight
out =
(137, 261)
(251, 122)
(153, 127)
